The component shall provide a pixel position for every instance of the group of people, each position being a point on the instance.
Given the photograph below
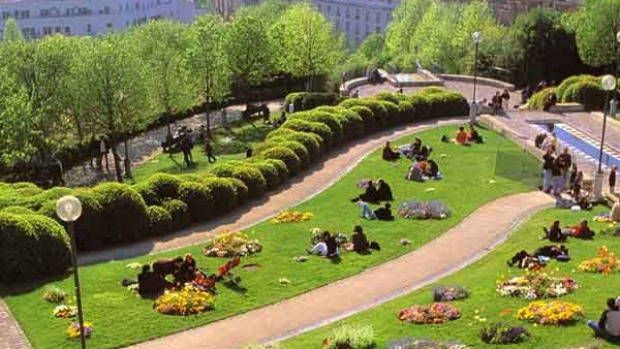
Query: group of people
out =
(539, 258)
(500, 101)
(556, 234)
(463, 137)
(328, 245)
(420, 171)
(375, 194)
(153, 282)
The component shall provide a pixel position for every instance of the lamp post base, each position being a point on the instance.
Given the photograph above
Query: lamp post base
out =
(598, 186)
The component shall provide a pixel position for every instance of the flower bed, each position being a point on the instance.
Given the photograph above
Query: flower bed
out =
(436, 313)
(73, 331)
(292, 217)
(188, 301)
(413, 209)
(500, 333)
(449, 293)
(409, 343)
(351, 337)
(231, 244)
(65, 311)
(535, 286)
(605, 263)
(554, 313)
(55, 295)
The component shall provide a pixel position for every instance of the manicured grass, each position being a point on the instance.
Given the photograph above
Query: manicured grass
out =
(120, 317)
(480, 278)
(227, 145)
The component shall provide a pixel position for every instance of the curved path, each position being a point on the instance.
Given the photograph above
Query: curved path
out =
(302, 188)
(473, 238)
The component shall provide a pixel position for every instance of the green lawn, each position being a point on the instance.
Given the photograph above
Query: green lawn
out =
(480, 278)
(227, 145)
(121, 318)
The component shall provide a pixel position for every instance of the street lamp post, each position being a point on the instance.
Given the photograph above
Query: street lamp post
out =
(609, 84)
(69, 209)
(476, 37)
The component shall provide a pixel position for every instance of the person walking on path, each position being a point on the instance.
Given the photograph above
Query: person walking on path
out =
(612, 179)
(209, 151)
(548, 160)
(566, 161)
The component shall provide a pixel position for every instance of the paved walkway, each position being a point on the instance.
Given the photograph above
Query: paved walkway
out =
(474, 237)
(301, 188)
(11, 336)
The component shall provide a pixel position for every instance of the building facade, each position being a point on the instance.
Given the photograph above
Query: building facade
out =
(506, 10)
(38, 18)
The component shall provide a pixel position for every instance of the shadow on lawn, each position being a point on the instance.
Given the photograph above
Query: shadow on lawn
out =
(206, 228)
(18, 288)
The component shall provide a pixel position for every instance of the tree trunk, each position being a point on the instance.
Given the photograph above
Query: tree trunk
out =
(127, 160)
(208, 121)
(117, 161)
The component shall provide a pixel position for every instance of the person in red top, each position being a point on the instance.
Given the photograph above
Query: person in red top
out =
(461, 136)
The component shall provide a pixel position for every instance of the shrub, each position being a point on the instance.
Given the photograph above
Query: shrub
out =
(49, 195)
(378, 110)
(292, 161)
(393, 114)
(165, 186)
(159, 220)
(368, 117)
(198, 200)
(310, 141)
(563, 87)
(351, 337)
(280, 166)
(499, 333)
(279, 132)
(390, 97)
(19, 210)
(325, 118)
(269, 171)
(448, 104)
(124, 211)
(241, 190)
(351, 122)
(253, 179)
(537, 101)
(406, 112)
(588, 93)
(310, 100)
(421, 104)
(223, 170)
(431, 90)
(313, 127)
(148, 194)
(223, 193)
(179, 214)
(33, 246)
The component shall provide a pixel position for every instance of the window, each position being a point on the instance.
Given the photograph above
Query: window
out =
(47, 30)
(109, 26)
(88, 28)
(378, 30)
(58, 29)
(6, 15)
(106, 10)
(378, 16)
(67, 31)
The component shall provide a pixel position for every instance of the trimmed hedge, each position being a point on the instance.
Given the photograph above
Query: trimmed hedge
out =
(310, 100)
(148, 194)
(421, 104)
(179, 214)
(324, 118)
(223, 193)
(313, 127)
(368, 117)
(280, 166)
(288, 156)
(393, 114)
(588, 93)
(269, 172)
(165, 186)
(390, 97)
(33, 246)
(563, 87)
(198, 199)
(241, 190)
(159, 220)
(448, 104)
(351, 122)
(406, 112)
(19, 210)
(123, 212)
(253, 179)
(379, 112)
(537, 101)
(310, 142)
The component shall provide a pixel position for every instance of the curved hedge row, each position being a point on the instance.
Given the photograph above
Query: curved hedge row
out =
(310, 100)
(583, 89)
(118, 213)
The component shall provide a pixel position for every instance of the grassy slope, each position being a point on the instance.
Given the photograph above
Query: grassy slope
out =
(480, 278)
(122, 318)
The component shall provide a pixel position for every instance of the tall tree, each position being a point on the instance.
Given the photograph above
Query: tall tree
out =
(248, 50)
(161, 45)
(433, 36)
(400, 31)
(596, 24)
(309, 46)
(209, 61)
(16, 136)
(113, 79)
(269, 11)
(12, 32)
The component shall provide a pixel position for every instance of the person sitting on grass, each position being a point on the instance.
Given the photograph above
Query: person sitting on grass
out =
(384, 192)
(608, 326)
(555, 233)
(415, 173)
(370, 195)
(431, 170)
(327, 247)
(415, 147)
(461, 136)
(473, 135)
(150, 284)
(423, 154)
(582, 231)
(165, 267)
(359, 242)
(187, 271)
(384, 213)
(389, 154)
(367, 212)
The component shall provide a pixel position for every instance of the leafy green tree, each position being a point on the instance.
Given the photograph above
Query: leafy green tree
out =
(248, 51)
(16, 136)
(209, 61)
(596, 24)
(269, 11)
(433, 35)
(161, 46)
(400, 31)
(114, 80)
(372, 49)
(12, 32)
(308, 45)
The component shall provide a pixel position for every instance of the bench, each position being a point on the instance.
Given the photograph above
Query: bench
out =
(566, 108)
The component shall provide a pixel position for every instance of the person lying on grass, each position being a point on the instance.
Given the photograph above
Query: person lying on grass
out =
(389, 154)
(608, 326)
(539, 258)
(582, 231)
(384, 213)
(327, 247)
